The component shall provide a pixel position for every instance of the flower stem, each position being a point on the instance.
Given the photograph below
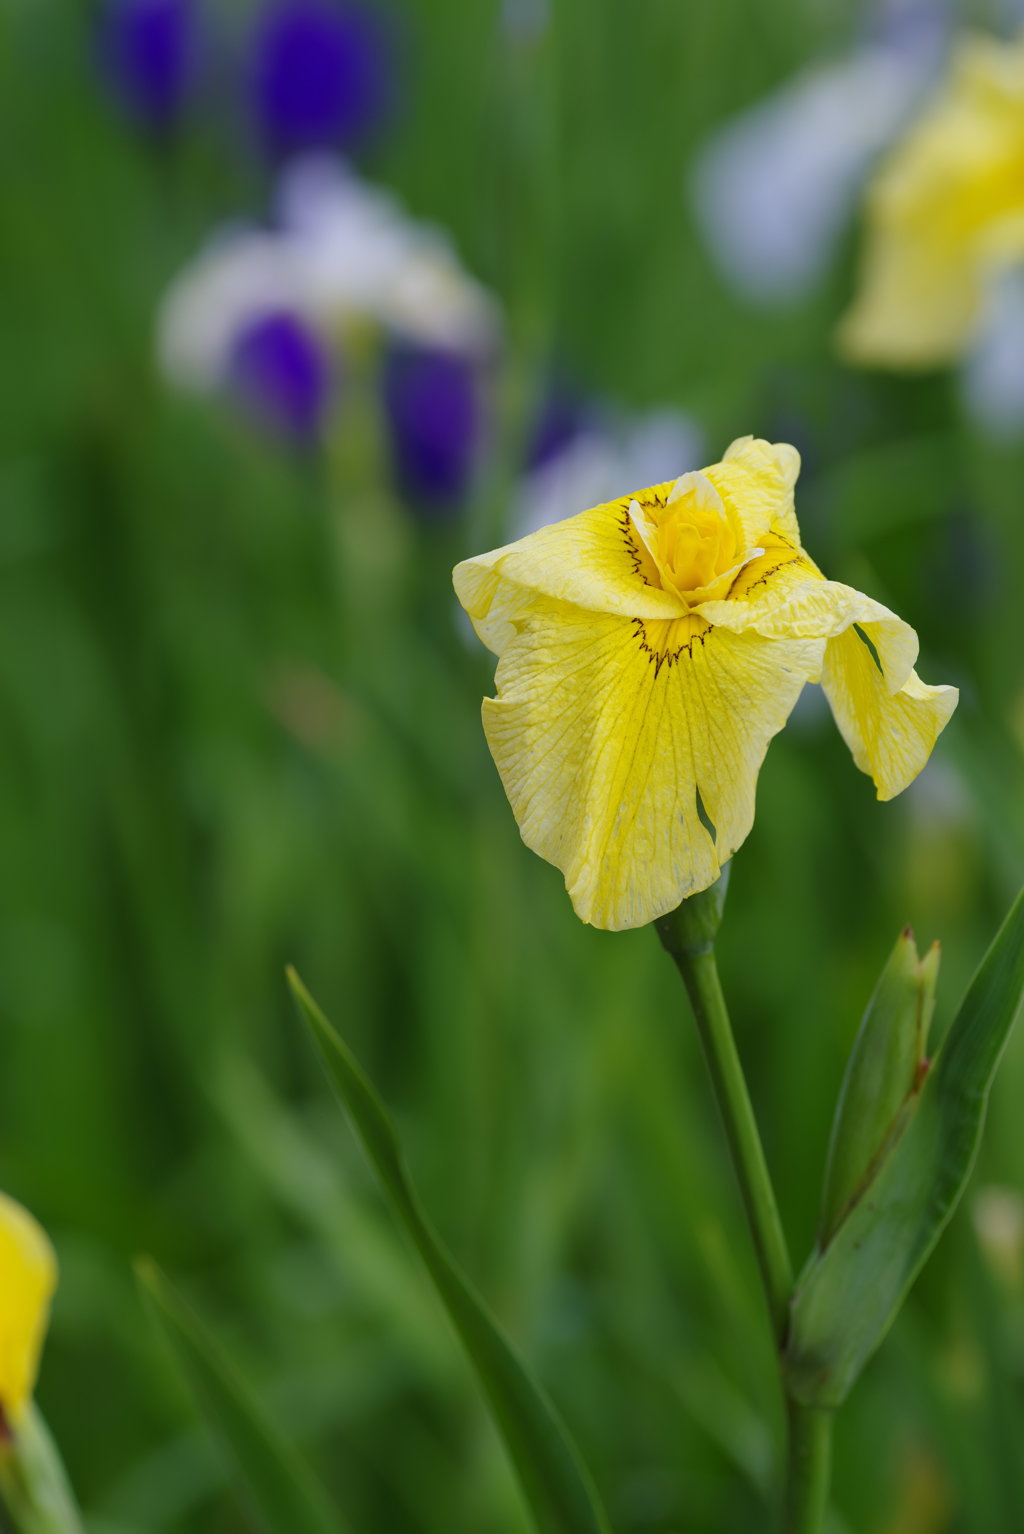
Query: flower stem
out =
(810, 1461)
(688, 935)
(700, 976)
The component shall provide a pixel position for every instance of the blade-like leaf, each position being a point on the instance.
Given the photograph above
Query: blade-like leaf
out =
(283, 1493)
(557, 1486)
(849, 1294)
(34, 1487)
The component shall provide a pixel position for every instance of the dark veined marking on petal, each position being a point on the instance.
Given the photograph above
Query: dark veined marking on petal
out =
(795, 558)
(668, 657)
(626, 526)
(705, 818)
(865, 640)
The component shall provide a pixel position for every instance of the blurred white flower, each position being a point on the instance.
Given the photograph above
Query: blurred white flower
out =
(242, 274)
(358, 250)
(599, 464)
(992, 378)
(774, 188)
(341, 251)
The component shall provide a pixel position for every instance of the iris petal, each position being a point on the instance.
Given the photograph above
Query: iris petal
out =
(890, 733)
(28, 1275)
(609, 737)
(631, 720)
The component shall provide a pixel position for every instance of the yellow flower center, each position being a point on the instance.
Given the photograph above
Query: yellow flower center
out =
(695, 540)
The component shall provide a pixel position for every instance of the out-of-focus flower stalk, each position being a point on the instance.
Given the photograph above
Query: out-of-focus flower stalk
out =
(34, 1488)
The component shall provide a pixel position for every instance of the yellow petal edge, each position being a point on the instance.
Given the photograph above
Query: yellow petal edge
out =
(28, 1277)
(648, 650)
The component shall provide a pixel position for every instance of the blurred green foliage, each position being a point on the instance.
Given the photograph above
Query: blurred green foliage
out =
(240, 729)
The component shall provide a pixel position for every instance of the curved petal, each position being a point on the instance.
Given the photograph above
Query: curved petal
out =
(593, 560)
(756, 479)
(621, 742)
(790, 600)
(28, 1275)
(890, 734)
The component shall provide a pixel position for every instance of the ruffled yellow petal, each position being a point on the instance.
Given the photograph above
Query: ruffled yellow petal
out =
(790, 600)
(888, 717)
(890, 733)
(944, 207)
(594, 560)
(649, 650)
(756, 479)
(621, 742)
(28, 1276)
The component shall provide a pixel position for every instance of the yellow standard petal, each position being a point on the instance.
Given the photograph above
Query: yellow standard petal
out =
(946, 207)
(649, 649)
(28, 1277)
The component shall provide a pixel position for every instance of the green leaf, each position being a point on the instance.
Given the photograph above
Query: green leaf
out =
(849, 1294)
(884, 1069)
(282, 1491)
(555, 1481)
(34, 1487)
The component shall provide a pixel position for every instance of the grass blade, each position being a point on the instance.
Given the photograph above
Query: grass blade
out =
(282, 1491)
(556, 1484)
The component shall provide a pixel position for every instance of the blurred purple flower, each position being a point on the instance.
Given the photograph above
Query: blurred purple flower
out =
(321, 75)
(562, 418)
(148, 51)
(433, 409)
(281, 373)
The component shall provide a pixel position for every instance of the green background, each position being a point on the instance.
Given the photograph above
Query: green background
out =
(240, 728)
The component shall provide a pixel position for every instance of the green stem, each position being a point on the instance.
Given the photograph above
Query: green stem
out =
(810, 1461)
(688, 934)
(700, 976)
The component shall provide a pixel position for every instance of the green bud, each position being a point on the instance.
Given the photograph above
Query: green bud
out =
(692, 927)
(886, 1067)
(851, 1289)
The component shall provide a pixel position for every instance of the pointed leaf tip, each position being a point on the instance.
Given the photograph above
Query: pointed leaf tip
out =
(851, 1291)
(880, 1079)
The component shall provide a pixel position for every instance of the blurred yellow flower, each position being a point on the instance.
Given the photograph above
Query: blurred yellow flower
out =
(649, 650)
(28, 1277)
(945, 214)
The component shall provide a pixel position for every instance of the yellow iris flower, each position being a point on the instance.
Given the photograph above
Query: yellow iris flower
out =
(946, 211)
(28, 1277)
(649, 649)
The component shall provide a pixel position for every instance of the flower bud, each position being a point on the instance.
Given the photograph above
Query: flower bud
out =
(886, 1067)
